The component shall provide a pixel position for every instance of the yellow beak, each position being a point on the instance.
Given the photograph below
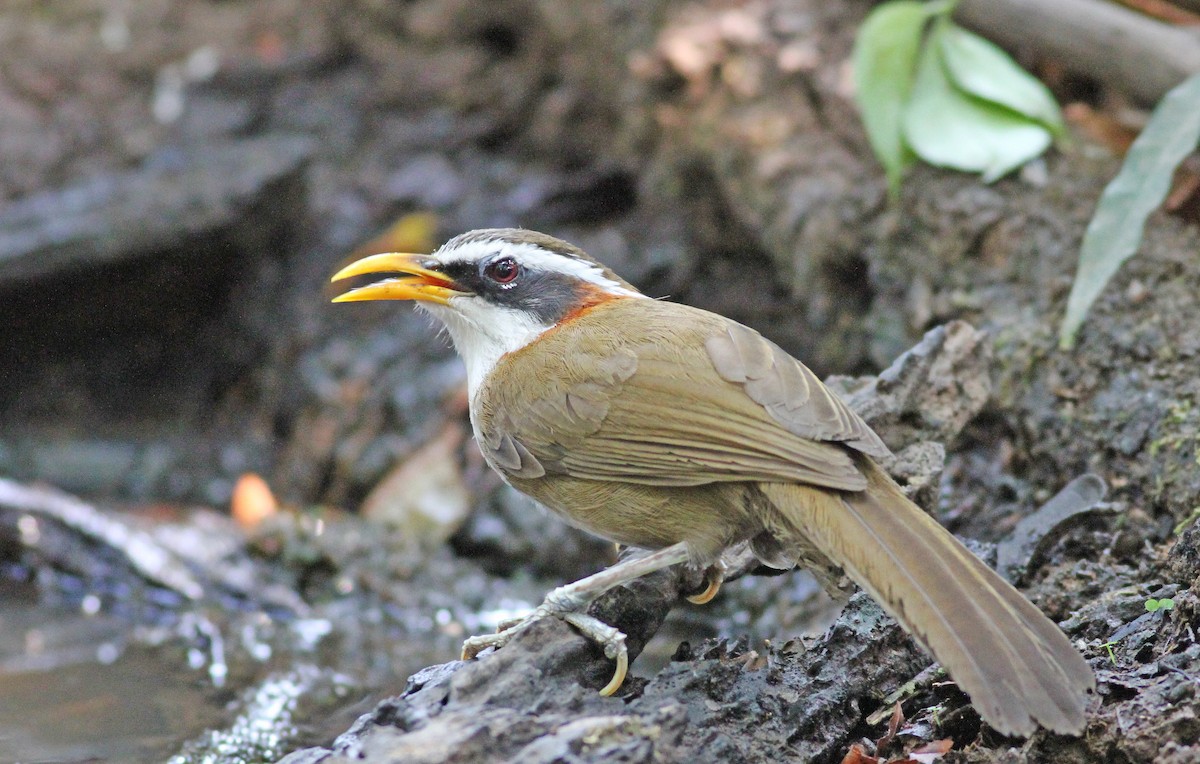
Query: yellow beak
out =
(420, 280)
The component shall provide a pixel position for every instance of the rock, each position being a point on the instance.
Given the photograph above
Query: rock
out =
(1183, 561)
(726, 705)
(1020, 554)
(129, 301)
(930, 392)
(118, 217)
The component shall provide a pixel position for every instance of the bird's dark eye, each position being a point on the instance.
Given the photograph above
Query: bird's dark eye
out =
(502, 271)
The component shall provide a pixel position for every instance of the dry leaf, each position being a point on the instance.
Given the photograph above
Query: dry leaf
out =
(414, 232)
(931, 751)
(893, 727)
(858, 755)
(1100, 127)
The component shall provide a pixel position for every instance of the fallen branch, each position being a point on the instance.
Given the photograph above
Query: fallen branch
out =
(1134, 53)
(143, 553)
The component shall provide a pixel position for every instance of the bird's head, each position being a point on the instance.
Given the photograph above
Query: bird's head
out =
(495, 289)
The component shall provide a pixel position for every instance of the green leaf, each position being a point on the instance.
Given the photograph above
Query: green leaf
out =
(885, 59)
(979, 67)
(1115, 231)
(1153, 605)
(949, 128)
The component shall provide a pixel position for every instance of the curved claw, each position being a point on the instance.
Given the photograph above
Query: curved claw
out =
(704, 597)
(608, 637)
(715, 576)
(611, 639)
(618, 679)
(473, 646)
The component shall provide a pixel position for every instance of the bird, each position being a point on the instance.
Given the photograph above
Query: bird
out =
(682, 433)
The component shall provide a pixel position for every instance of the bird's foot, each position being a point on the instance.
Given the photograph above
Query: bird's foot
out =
(565, 604)
(714, 576)
(569, 602)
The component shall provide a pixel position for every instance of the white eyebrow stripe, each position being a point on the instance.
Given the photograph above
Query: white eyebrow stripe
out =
(533, 256)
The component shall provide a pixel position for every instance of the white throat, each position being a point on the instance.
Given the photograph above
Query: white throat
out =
(481, 337)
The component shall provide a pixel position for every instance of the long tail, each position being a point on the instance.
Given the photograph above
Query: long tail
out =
(1016, 665)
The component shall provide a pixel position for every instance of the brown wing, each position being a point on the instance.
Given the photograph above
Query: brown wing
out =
(788, 390)
(675, 396)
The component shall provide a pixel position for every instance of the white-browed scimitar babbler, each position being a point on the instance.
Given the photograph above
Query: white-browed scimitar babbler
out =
(681, 432)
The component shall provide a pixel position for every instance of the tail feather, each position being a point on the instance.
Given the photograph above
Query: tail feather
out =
(1016, 665)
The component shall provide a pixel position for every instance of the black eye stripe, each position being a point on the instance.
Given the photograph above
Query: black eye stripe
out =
(545, 295)
(463, 273)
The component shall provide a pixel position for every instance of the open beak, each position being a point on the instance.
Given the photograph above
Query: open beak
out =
(421, 279)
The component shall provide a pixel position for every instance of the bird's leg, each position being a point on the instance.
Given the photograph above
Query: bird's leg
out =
(714, 577)
(568, 603)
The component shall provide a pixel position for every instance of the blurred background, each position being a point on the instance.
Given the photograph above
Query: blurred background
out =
(228, 506)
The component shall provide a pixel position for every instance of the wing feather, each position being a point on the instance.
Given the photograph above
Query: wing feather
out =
(663, 394)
